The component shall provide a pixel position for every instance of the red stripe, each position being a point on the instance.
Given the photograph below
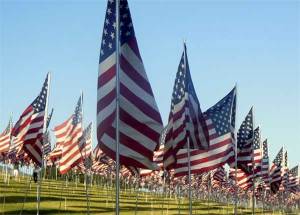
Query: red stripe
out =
(106, 76)
(106, 100)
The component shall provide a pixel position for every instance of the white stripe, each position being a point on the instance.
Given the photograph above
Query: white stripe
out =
(107, 111)
(106, 88)
(107, 63)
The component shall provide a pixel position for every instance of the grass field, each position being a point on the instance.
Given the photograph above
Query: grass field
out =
(59, 198)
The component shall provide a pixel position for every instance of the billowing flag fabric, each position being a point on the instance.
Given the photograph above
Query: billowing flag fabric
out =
(61, 132)
(29, 127)
(186, 122)
(70, 150)
(220, 120)
(276, 171)
(140, 122)
(243, 179)
(85, 142)
(244, 143)
(47, 144)
(5, 139)
(293, 180)
(257, 153)
(265, 165)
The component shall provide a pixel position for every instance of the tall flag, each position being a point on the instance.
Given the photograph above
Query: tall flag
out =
(257, 153)
(276, 171)
(29, 127)
(245, 138)
(293, 181)
(140, 122)
(220, 120)
(70, 148)
(5, 139)
(85, 142)
(265, 165)
(186, 121)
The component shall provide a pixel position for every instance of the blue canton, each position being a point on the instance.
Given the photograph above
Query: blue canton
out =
(221, 114)
(108, 45)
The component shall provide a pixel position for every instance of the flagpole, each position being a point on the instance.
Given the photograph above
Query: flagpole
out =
(44, 131)
(117, 103)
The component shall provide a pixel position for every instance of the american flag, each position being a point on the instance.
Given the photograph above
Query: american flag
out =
(186, 122)
(257, 153)
(293, 181)
(140, 122)
(61, 132)
(220, 120)
(29, 127)
(85, 142)
(243, 179)
(276, 171)
(5, 139)
(265, 165)
(285, 170)
(70, 150)
(244, 143)
(47, 139)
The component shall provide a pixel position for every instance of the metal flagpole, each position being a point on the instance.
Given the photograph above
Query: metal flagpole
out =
(117, 104)
(44, 131)
(188, 144)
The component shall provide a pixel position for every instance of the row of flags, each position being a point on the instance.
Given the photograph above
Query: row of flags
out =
(124, 95)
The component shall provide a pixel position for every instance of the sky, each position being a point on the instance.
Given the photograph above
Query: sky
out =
(254, 44)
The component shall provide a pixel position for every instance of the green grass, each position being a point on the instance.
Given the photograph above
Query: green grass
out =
(57, 198)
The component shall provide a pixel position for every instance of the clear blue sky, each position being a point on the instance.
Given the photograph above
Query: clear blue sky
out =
(252, 43)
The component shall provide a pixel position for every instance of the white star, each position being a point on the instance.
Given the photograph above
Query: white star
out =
(110, 45)
(114, 25)
(103, 42)
(106, 21)
(112, 35)
(105, 31)
(108, 11)
(127, 33)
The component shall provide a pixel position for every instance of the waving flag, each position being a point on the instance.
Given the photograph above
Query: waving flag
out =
(70, 148)
(220, 120)
(61, 132)
(5, 138)
(245, 143)
(186, 121)
(265, 165)
(257, 153)
(85, 142)
(276, 171)
(285, 170)
(293, 180)
(140, 123)
(29, 128)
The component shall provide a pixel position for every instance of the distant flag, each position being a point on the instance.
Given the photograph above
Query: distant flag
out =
(285, 170)
(139, 118)
(70, 149)
(85, 142)
(29, 128)
(257, 153)
(61, 133)
(220, 120)
(243, 179)
(186, 121)
(245, 138)
(265, 165)
(276, 171)
(5, 138)
(293, 180)
(47, 139)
